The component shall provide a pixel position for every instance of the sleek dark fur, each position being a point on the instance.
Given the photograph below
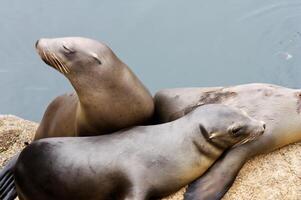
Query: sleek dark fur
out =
(139, 163)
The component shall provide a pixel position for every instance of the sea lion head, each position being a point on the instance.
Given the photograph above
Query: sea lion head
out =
(227, 126)
(74, 55)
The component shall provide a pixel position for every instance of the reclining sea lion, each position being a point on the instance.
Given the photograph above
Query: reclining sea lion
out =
(278, 106)
(143, 162)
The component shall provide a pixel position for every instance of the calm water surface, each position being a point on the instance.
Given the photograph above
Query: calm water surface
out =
(166, 43)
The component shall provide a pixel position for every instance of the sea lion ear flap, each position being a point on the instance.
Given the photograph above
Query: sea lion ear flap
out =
(96, 58)
(204, 132)
(208, 135)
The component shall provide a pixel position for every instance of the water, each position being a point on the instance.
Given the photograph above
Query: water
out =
(166, 43)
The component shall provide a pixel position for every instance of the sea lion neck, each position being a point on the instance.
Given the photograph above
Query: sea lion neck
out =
(96, 89)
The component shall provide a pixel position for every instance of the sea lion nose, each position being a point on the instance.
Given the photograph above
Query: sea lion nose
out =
(263, 125)
(37, 43)
(262, 128)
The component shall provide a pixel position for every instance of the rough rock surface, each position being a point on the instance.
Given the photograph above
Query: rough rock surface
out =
(273, 176)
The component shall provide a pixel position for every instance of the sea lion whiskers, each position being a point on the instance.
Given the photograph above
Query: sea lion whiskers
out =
(60, 64)
(247, 139)
(44, 55)
(61, 68)
(49, 60)
(56, 63)
(66, 68)
(254, 137)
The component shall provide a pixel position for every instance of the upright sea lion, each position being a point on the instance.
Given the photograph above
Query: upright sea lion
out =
(108, 96)
(143, 162)
(278, 106)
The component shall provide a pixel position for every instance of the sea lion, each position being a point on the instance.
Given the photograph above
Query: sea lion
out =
(108, 96)
(140, 163)
(278, 106)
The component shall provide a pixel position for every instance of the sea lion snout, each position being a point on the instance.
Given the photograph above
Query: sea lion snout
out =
(256, 130)
(50, 54)
(40, 43)
(261, 129)
(263, 124)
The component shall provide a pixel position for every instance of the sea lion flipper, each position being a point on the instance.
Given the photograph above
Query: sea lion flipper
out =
(7, 176)
(11, 195)
(214, 184)
(9, 187)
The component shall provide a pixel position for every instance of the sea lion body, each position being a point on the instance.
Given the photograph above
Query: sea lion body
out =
(278, 106)
(108, 96)
(139, 163)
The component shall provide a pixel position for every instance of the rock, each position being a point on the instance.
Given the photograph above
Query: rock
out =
(273, 176)
(14, 133)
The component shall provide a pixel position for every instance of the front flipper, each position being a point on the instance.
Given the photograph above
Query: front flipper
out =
(218, 179)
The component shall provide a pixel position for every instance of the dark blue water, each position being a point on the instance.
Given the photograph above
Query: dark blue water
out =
(166, 43)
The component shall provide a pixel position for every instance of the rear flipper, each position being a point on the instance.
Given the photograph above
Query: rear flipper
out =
(214, 184)
(11, 195)
(7, 183)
